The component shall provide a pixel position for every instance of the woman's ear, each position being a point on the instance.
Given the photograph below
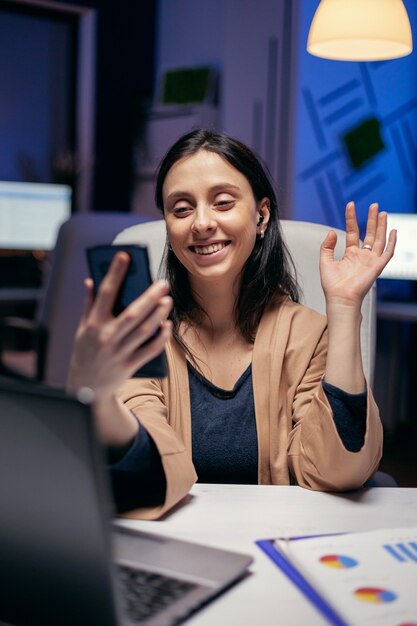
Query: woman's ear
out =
(263, 213)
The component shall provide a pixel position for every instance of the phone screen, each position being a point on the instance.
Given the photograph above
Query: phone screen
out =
(137, 280)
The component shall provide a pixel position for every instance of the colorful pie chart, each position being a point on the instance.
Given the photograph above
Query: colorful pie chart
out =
(375, 595)
(338, 561)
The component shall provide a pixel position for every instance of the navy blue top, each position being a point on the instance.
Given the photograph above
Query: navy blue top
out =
(224, 440)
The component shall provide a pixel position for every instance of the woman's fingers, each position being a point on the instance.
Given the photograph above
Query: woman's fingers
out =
(138, 312)
(110, 286)
(89, 299)
(388, 252)
(380, 239)
(145, 353)
(375, 239)
(371, 225)
(327, 247)
(102, 307)
(352, 229)
(143, 331)
(376, 230)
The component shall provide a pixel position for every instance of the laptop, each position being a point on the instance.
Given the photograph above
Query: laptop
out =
(63, 561)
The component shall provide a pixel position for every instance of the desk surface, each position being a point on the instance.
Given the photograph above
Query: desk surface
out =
(234, 516)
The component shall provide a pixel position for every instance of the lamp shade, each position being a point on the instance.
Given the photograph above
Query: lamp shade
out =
(360, 30)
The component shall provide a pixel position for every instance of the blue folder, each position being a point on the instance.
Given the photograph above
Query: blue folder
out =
(268, 546)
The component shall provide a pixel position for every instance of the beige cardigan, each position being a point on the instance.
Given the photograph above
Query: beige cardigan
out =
(298, 442)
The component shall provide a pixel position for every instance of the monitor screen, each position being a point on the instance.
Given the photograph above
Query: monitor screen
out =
(403, 265)
(31, 214)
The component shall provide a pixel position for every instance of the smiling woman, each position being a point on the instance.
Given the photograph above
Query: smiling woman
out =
(212, 226)
(260, 389)
(237, 197)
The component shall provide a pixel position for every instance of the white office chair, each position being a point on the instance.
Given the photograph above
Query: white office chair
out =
(303, 240)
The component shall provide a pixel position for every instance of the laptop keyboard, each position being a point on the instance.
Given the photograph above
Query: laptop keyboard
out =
(144, 593)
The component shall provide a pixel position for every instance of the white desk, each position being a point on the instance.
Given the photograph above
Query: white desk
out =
(234, 516)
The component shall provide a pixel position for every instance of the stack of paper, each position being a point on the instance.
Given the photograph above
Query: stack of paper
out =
(356, 578)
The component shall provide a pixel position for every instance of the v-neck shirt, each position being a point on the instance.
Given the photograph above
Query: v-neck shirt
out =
(223, 426)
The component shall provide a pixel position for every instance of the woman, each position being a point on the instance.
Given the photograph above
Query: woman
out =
(260, 388)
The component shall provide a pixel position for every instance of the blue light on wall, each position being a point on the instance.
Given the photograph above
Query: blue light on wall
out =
(356, 133)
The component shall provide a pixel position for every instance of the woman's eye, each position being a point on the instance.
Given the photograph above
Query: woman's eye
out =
(224, 204)
(181, 211)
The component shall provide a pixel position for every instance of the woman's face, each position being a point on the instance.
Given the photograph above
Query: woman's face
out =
(211, 216)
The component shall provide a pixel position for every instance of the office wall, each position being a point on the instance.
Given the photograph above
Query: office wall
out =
(335, 98)
(37, 102)
(295, 109)
(248, 41)
(35, 114)
(265, 95)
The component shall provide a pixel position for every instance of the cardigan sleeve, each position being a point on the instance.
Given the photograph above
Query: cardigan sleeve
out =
(317, 456)
(349, 414)
(145, 398)
(137, 478)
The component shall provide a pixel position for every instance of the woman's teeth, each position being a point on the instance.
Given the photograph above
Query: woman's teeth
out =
(215, 247)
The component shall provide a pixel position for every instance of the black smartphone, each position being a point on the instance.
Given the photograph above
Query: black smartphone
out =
(137, 280)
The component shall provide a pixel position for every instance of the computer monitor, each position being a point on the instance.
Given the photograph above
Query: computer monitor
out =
(31, 214)
(403, 265)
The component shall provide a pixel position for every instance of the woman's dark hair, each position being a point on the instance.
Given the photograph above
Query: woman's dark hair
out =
(269, 272)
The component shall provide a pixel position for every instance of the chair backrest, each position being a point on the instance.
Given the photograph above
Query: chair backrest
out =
(153, 235)
(64, 293)
(303, 240)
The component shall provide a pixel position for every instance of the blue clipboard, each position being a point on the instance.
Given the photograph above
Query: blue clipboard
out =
(267, 546)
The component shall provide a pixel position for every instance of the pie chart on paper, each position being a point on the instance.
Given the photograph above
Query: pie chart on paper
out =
(375, 595)
(338, 561)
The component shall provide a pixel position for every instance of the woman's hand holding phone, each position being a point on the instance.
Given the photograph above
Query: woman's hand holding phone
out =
(108, 349)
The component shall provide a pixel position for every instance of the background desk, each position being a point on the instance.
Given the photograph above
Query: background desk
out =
(397, 311)
(234, 516)
(18, 301)
(396, 364)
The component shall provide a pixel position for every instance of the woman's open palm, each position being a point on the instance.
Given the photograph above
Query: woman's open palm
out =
(347, 281)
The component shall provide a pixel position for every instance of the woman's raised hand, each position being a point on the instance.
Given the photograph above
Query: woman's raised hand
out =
(347, 281)
(107, 349)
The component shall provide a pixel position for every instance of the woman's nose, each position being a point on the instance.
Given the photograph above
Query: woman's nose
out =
(203, 221)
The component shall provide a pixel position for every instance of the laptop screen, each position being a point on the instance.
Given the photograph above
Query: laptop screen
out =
(31, 214)
(403, 265)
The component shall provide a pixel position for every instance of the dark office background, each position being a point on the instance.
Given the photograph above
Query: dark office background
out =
(37, 69)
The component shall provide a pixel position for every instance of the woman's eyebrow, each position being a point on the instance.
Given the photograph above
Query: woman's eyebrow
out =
(178, 194)
(174, 195)
(224, 187)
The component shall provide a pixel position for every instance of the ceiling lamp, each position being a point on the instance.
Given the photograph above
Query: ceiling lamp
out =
(360, 30)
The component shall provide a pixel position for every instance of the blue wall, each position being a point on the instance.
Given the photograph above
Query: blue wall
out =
(335, 97)
(35, 102)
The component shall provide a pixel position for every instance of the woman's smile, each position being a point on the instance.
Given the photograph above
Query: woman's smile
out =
(211, 215)
(209, 249)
